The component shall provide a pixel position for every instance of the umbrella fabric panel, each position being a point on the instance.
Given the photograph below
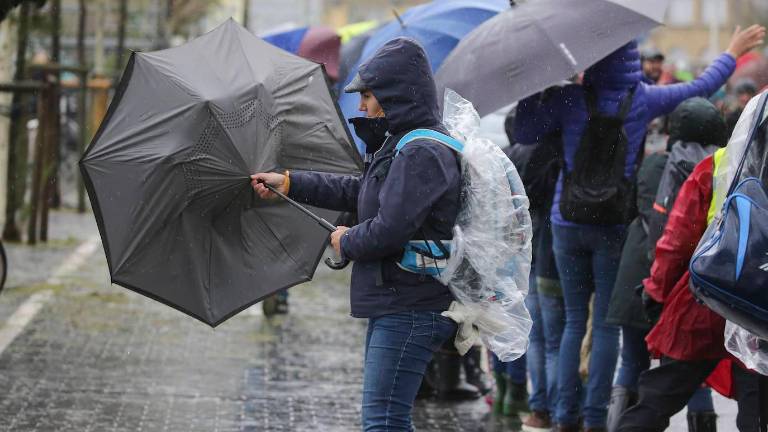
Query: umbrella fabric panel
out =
(169, 275)
(349, 55)
(532, 46)
(289, 40)
(313, 137)
(138, 133)
(322, 45)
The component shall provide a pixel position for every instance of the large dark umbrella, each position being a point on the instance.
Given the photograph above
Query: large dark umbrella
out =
(168, 172)
(539, 43)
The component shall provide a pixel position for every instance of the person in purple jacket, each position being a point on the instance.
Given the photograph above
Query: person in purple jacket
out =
(413, 194)
(587, 256)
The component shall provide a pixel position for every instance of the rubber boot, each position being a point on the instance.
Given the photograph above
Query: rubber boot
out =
(475, 374)
(705, 421)
(501, 390)
(448, 380)
(621, 399)
(516, 398)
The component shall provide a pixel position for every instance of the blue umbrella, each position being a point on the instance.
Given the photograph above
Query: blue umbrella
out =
(438, 26)
(288, 40)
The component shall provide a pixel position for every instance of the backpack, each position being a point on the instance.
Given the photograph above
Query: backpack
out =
(729, 269)
(539, 166)
(487, 262)
(680, 164)
(595, 191)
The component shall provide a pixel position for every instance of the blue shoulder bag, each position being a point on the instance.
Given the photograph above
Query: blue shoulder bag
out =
(729, 269)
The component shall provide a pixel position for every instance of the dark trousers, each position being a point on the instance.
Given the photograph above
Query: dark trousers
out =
(666, 389)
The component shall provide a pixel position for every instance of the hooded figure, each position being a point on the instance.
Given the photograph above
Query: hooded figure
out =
(411, 195)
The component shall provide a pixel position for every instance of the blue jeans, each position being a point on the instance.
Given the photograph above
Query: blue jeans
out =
(587, 260)
(514, 369)
(548, 322)
(635, 359)
(398, 348)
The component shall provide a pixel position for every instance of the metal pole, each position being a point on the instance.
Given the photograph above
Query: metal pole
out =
(714, 29)
(323, 223)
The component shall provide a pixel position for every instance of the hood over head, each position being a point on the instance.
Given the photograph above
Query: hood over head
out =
(697, 120)
(400, 77)
(619, 70)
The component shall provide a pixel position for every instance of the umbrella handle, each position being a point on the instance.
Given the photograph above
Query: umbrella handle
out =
(336, 265)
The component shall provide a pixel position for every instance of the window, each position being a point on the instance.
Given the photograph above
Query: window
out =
(713, 9)
(680, 13)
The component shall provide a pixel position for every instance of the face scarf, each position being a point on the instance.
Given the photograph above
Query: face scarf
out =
(373, 131)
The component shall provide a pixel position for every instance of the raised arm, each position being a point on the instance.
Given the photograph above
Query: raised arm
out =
(663, 99)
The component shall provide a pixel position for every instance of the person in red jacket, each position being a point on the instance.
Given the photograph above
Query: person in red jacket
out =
(688, 336)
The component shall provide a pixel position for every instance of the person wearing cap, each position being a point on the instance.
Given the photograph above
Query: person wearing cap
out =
(744, 90)
(413, 194)
(652, 61)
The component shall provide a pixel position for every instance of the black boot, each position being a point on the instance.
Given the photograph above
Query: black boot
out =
(474, 372)
(621, 399)
(448, 381)
(705, 421)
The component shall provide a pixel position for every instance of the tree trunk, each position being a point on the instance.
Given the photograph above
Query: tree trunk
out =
(246, 13)
(122, 18)
(51, 191)
(82, 108)
(16, 155)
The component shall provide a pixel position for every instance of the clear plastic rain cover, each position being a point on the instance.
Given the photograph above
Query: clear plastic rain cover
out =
(491, 251)
(750, 349)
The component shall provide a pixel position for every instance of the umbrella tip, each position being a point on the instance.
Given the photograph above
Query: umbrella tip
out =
(397, 15)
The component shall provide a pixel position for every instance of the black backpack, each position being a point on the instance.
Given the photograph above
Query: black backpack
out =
(539, 166)
(680, 164)
(595, 191)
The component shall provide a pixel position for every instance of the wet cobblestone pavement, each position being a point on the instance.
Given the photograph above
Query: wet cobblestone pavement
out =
(98, 357)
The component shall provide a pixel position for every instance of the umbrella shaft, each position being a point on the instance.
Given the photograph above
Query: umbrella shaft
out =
(323, 223)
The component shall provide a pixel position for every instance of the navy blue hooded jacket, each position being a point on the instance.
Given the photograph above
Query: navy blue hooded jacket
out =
(397, 198)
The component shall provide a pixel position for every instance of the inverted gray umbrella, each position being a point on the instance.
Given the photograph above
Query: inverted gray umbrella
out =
(168, 172)
(539, 43)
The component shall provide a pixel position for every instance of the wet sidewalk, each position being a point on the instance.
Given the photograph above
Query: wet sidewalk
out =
(97, 357)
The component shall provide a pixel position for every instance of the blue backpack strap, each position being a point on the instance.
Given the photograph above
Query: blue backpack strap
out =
(430, 134)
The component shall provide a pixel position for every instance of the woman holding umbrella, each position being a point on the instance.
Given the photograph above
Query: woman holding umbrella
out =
(413, 194)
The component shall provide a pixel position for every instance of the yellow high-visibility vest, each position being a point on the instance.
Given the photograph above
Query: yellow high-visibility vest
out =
(717, 158)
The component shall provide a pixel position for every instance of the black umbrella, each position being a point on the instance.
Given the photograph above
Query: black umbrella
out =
(168, 172)
(540, 43)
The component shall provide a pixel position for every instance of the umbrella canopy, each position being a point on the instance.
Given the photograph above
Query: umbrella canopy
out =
(539, 43)
(349, 55)
(168, 172)
(437, 26)
(319, 44)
